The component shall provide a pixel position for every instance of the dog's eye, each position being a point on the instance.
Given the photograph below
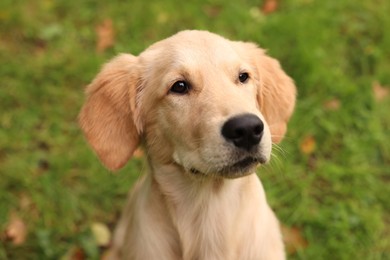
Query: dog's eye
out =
(180, 87)
(243, 77)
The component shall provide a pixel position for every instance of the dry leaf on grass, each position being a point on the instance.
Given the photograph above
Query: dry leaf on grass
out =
(16, 230)
(74, 253)
(101, 234)
(212, 11)
(25, 202)
(269, 6)
(162, 18)
(380, 92)
(78, 254)
(293, 239)
(332, 104)
(138, 153)
(105, 35)
(308, 145)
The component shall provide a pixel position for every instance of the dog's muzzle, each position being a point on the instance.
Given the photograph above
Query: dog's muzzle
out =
(244, 133)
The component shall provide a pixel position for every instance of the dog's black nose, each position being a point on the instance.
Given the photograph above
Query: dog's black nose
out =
(245, 131)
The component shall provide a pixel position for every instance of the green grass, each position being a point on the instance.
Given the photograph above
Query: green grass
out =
(337, 196)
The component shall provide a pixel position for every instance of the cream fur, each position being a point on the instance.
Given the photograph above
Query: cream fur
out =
(175, 212)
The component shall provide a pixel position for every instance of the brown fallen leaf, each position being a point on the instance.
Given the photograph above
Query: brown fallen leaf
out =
(269, 6)
(212, 11)
(74, 253)
(162, 18)
(78, 254)
(293, 239)
(380, 92)
(16, 230)
(308, 145)
(105, 35)
(25, 202)
(332, 104)
(138, 153)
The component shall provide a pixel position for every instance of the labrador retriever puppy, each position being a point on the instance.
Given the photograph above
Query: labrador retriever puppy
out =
(206, 110)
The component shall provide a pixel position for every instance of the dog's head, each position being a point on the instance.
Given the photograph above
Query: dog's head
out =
(207, 104)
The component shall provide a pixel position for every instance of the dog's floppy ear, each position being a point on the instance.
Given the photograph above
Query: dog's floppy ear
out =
(107, 117)
(276, 95)
(276, 91)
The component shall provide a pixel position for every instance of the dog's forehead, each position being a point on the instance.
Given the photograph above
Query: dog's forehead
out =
(194, 48)
(200, 43)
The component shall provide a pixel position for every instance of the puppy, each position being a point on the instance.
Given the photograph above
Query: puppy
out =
(206, 110)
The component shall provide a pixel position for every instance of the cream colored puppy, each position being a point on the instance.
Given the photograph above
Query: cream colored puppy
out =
(206, 110)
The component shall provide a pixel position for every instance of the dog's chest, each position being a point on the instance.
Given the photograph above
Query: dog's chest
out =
(216, 225)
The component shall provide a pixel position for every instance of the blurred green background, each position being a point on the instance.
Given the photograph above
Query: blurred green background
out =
(328, 181)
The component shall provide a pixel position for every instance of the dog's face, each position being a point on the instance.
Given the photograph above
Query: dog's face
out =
(193, 87)
(208, 104)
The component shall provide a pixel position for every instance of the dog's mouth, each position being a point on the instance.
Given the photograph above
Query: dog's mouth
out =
(239, 168)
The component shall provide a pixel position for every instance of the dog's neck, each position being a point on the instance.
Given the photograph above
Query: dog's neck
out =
(172, 176)
(211, 205)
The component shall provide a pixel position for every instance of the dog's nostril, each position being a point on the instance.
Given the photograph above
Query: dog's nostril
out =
(258, 129)
(239, 133)
(244, 131)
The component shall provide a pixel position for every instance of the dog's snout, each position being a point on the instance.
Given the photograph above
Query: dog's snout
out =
(244, 131)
